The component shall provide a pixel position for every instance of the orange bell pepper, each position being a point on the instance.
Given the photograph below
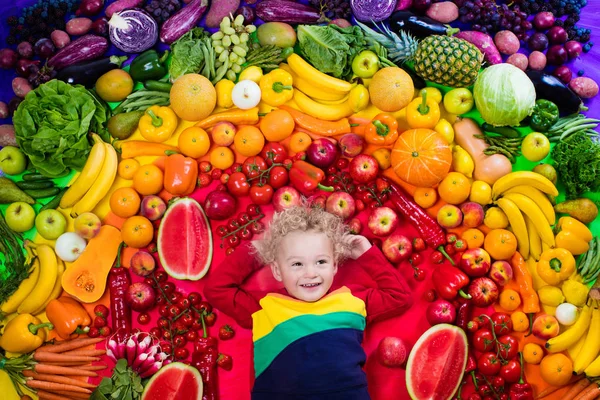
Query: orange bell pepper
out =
(68, 317)
(382, 131)
(181, 173)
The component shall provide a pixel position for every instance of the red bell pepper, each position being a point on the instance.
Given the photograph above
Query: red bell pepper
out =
(448, 282)
(471, 362)
(463, 311)
(181, 174)
(204, 359)
(521, 390)
(306, 177)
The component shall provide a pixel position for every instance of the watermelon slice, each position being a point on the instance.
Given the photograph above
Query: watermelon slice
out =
(436, 363)
(175, 381)
(185, 240)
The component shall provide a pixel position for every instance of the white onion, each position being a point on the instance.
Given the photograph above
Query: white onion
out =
(69, 246)
(566, 314)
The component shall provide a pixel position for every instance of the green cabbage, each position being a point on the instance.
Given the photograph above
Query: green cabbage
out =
(504, 95)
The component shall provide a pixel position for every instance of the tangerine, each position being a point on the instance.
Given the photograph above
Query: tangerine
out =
(500, 243)
(193, 142)
(277, 125)
(474, 238)
(300, 142)
(127, 168)
(137, 232)
(510, 300)
(193, 97)
(520, 321)
(222, 157)
(533, 353)
(148, 179)
(425, 197)
(454, 188)
(556, 369)
(248, 140)
(125, 202)
(391, 89)
(383, 157)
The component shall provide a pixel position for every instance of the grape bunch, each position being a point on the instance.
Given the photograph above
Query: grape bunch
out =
(488, 17)
(333, 8)
(161, 10)
(231, 46)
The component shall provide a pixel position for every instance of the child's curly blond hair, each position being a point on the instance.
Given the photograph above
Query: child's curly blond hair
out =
(301, 218)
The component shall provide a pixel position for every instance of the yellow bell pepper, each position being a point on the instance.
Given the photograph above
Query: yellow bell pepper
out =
(423, 112)
(24, 334)
(572, 235)
(556, 265)
(276, 87)
(158, 124)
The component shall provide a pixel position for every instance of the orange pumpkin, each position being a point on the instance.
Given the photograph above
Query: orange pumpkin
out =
(421, 157)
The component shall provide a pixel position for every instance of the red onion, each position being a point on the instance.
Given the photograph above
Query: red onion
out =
(90, 7)
(543, 20)
(563, 73)
(25, 50)
(556, 55)
(557, 35)
(100, 27)
(27, 67)
(538, 41)
(421, 5)
(133, 31)
(44, 48)
(573, 49)
(13, 104)
(247, 12)
(8, 58)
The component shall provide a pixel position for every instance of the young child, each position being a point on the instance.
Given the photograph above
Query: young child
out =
(307, 336)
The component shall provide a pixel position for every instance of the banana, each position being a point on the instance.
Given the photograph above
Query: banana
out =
(56, 290)
(535, 243)
(310, 90)
(538, 198)
(333, 102)
(529, 208)
(321, 111)
(25, 288)
(573, 334)
(517, 222)
(101, 186)
(576, 348)
(315, 77)
(46, 281)
(526, 178)
(87, 176)
(591, 346)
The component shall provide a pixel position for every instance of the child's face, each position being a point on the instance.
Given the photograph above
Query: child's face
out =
(305, 264)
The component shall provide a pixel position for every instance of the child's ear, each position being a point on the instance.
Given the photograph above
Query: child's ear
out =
(335, 268)
(276, 271)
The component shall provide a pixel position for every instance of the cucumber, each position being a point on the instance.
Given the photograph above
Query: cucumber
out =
(53, 204)
(34, 176)
(42, 193)
(158, 86)
(35, 184)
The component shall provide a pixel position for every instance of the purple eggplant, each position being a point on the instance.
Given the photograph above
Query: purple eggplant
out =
(288, 11)
(182, 21)
(88, 47)
(121, 5)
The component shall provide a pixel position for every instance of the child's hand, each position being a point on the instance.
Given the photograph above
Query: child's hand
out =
(358, 245)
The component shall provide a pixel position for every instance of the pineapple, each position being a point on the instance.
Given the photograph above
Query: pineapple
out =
(445, 60)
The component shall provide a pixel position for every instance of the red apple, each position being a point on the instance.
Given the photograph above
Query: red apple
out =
(475, 262)
(397, 247)
(449, 216)
(140, 296)
(153, 207)
(142, 263)
(286, 197)
(322, 153)
(483, 291)
(363, 168)
(501, 272)
(219, 205)
(355, 226)
(392, 352)
(545, 327)
(383, 221)
(440, 312)
(340, 204)
(472, 214)
(351, 145)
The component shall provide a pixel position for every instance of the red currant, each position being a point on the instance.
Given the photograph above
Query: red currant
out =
(191, 336)
(184, 303)
(181, 353)
(160, 299)
(166, 335)
(163, 323)
(156, 332)
(174, 297)
(162, 276)
(168, 287)
(194, 298)
(150, 282)
(174, 311)
(167, 348)
(205, 307)
(179, 341)
(163, 310)
(187, 319)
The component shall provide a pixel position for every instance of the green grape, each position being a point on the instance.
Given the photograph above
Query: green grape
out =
(225, 23)
(233, 57)
(250, 28)
(216, 43)
(236, 68)
(226, 41)
(244, 37)
(239, 51)
(240, 60)
(217, 35)
(224, 56)
(239, 20)
(219, 49)
(235, 39)
(229, 31)
(231, 75)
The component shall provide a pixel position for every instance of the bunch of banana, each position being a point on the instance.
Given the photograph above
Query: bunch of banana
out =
(584, 337)
(522, 197)
(569, 338)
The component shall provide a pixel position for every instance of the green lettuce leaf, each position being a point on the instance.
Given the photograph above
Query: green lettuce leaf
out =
(188, 56)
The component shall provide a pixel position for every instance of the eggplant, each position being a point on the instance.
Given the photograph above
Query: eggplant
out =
(418, 26)
(288, 11)
(121, 5)
(549, 87)
(182, 21)
(87, 73)
(88, 47)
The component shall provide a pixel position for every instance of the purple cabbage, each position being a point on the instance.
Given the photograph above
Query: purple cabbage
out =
(133, 31)
(372, 10)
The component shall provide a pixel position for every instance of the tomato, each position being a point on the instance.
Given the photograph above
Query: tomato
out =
(222, 230)
(181, 353)
(488, 364)
(507, 347)
(484, 389)
(253, 210)
(473, 326)
(243, 218)
(253, 166)
(498, 382)
(246, 234)
(511, 371)
(257, 227)
(273, 152)
(238, 185)
(502, 323)
(233, 241)
(483, 340)
(261, 195)
(278, 177)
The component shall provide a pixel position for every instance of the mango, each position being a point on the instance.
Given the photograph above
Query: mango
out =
(279, 34)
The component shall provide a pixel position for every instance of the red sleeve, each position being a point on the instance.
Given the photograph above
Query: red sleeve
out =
(223, 286)
(392, 296)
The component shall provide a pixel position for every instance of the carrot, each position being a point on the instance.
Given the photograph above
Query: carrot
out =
(136, 148)
(62, 358)
(575, 389)
(58, 370)
(43, 395)
(316, 125)
(98, 367)
(57, 379)
(69, 345)
(589, 393)
(35, 384)
(73, 395)
(88, 353)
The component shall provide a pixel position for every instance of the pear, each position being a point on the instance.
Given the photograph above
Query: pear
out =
(10, 193)
(122, 126)
(584, 210)
(547, 171)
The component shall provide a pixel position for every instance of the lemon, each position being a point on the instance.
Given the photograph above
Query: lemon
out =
(551, 296)
(444, 128)
(224, 88)
(462, 162)
(359, 98)
(495, 218)
(575, 292)
(481, 193)
(253, 73)
(432, 93)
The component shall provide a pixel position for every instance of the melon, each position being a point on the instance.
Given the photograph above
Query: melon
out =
(185, 240)
(175, 381)
(436, 363)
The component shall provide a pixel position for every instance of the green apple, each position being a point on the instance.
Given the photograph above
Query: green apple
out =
(365, 64)
(12, 160)
(458, 101)
(535, 146)
(20, 216)
(50, 224)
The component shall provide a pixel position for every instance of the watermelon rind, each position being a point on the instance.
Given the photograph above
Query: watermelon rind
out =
(184, 202)
(155, 380)
(414, 354)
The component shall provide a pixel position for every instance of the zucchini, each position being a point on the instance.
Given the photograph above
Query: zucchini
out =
(35, 184)
(42, 193)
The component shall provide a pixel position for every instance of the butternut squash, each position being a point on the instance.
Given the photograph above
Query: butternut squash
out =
(487, 168)
(86, 278)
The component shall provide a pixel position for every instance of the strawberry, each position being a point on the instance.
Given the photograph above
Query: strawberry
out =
(101, 311)
(301, 155)
(381, 185)
(105, 331)
(226, 332)
(99, 322)
(205, 166)
(216, 173)
(209, 318)
(225, 361)
(419, 244)
(94, 332)
(204, 179)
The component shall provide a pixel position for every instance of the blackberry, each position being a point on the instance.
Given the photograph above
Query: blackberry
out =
(12, 21)
(569, 22)
(559, 22)
(535, 7)
(161, 10)
(11, 40)
(584, 38)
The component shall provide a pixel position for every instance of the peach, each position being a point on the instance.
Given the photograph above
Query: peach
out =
(87, 225)
(223, 133)
(153, 207)
(142, 263)
(545, 327)
(472, 214)
(449, 216)
(351, 145)
(501, 272)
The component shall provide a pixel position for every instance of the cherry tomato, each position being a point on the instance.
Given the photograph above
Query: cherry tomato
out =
(502, 323)
(246, 234)
(233, 241)
(415, 259)
(233, 225)
(253, 210)
(342, 163)
(162, 276)
(243, 218)
(419, 275)
(148, 280)
(473, 326)
(163, 310)
(253, 166)
(162, 323)
(273, 152)
(155, 331)
(166, 348)
(488, 364)
(181, 353)
(459, 246)
(179, 341)
(450, 249)
(238, 184)
(143, 319)
(261, 195)
(498, 381)
(184, 303)
(430, 295)
(451, 238)
(257, 227)
(484, 321)
(483, 340)
(194, 298)
(160, 299)
(437, 257)
(191, 336)
(511, 371)
(419, 244)
(174, 311)
(507, 347)
(168, 287)
(187, 319)
(224, 179)
(174, 297)
(204, 307)
(331, 170)
(222, 230)
(197, 325)
(484, 389)
(278, 177)
(166, 336)
(504, 396)
(229, 251)
(474, 396)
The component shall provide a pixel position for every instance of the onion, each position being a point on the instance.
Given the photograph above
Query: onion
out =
(8, 58)
(556, 55)
(566, 314)
(69, 246)
(133, 31)
(557, 35)
(563, 73)
(573, 49)
(543, 20)
(538, 41)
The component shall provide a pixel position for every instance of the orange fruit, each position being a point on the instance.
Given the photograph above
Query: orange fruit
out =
(193, 142)
(193, 97)
(300, 142)
(510, 299)
(425, 197)
(125, 202)
(500, 243)
(454, 188)
(533, 353)
(249, 140)
(556, 369)
(383, 157)
(223, 133)
(277, 125)
(137, 231)
(520, 321)
(114, 85)
(148, 179)
(222, 157)
(474, 238)
(391, 89)
(127, 168)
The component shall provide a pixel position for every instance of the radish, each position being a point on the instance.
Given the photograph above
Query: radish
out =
(484, 43)
(69, 246)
